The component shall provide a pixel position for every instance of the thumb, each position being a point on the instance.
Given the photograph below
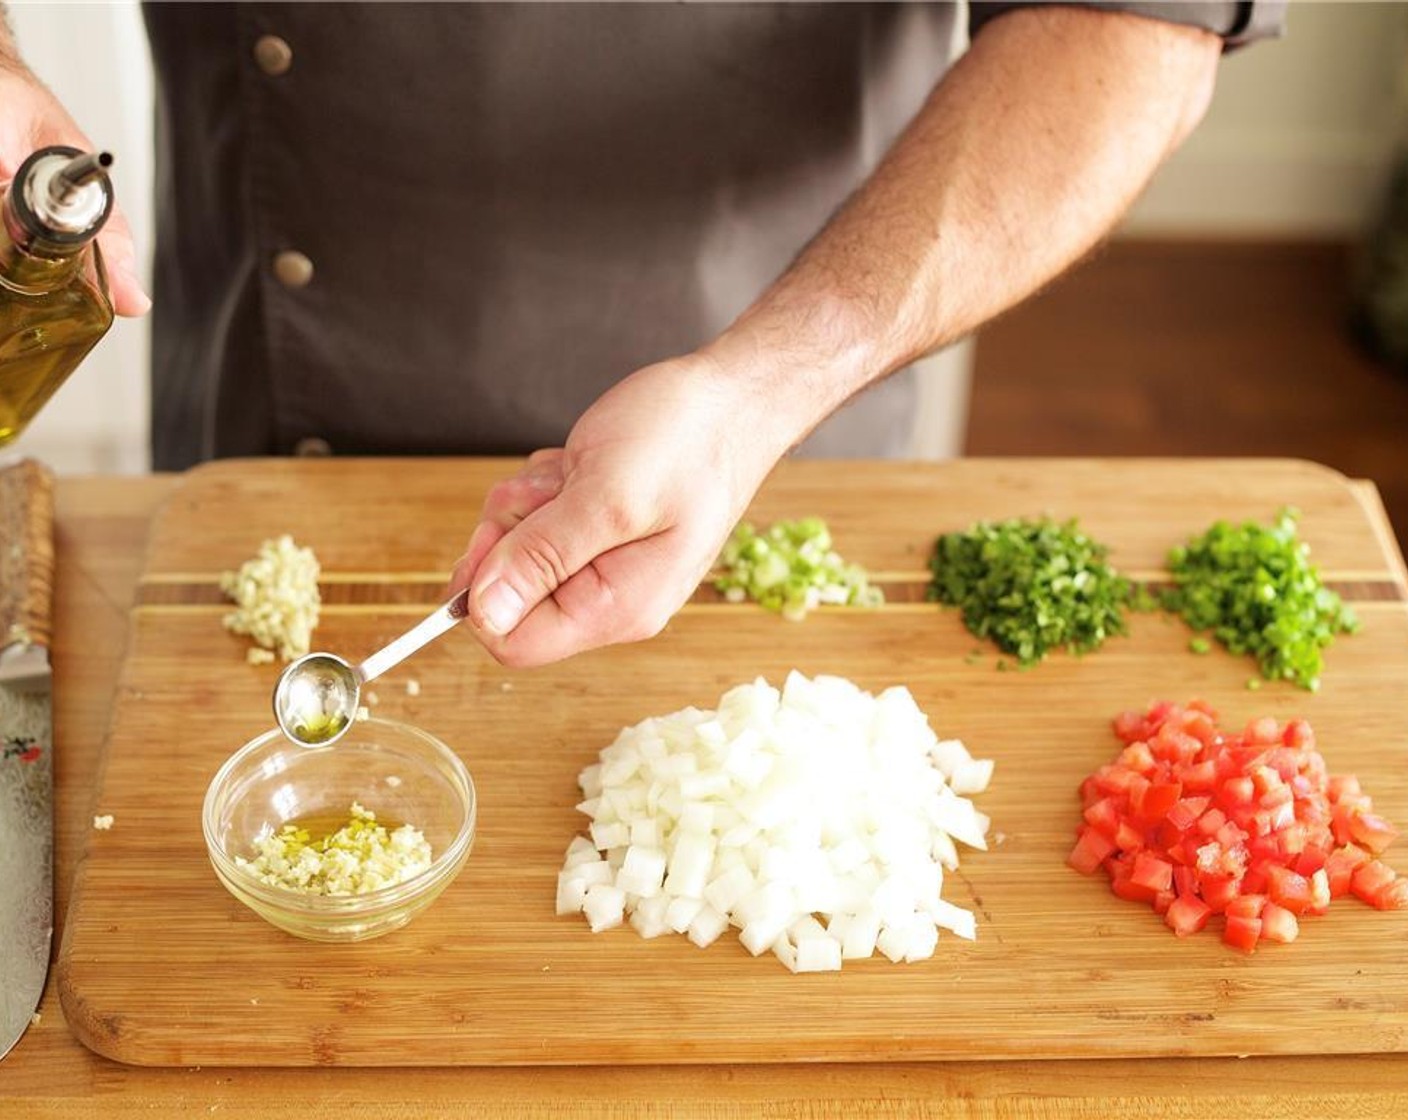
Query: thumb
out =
(540, 554)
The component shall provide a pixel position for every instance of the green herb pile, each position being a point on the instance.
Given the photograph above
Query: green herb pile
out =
(1255, 589)
(1031, 586)
(791, 568)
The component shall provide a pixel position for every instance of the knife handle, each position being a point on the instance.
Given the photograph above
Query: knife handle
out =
(26, 554)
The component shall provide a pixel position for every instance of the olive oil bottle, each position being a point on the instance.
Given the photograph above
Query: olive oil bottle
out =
(54, 300)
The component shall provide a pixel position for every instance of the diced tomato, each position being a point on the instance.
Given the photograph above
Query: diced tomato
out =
(1263, 732)
(1247, 906)
(1371, 879)
(1154, 802)
(1129, 726)
(1129, 838)
(1237, 791)
(1251, 826)
(1288, 889)
(1139, 758)
(1187, 914)
(1201, 725)
(1091, 850)
(1310, 860)
(1125, 887)
(1200, 777)
(1340, 866)
(1394, 896)
(1371, 831)
(1299, 735)
(1218, 891)
(1319, 893)
(1152, 872)
(1242, 933)
(1264, 780)
(1184, 815)
(1278, 924)
(1104, 815)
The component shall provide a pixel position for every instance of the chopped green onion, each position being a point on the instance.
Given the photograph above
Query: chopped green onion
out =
(1254, 589)
(791, 568)
(1031, 586)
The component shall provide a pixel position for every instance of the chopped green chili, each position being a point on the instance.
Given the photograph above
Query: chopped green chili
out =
(1254, 589)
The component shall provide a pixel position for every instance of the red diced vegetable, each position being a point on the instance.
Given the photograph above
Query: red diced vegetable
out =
(1152, 872)
(1249, 826)
(1247, 906)
(1371, 831)
(1242, 933)
(1371, 879)
(1278, 924)
(1187, 914)
(1091, 850)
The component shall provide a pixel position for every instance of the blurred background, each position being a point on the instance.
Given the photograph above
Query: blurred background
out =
(1221, 320)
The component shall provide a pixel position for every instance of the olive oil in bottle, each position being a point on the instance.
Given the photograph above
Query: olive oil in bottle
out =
(54, 300)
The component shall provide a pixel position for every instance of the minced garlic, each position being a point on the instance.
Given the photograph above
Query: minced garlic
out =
(359, 857)
(103, 822)
(276, 597)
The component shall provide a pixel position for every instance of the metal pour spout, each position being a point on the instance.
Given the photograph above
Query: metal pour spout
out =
(72, 176)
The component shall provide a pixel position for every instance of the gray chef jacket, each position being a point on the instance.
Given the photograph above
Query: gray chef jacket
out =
(448, 228)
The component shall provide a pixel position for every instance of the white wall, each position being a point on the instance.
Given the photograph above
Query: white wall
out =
(1300, 134)
(94, 57)
(1296, 144)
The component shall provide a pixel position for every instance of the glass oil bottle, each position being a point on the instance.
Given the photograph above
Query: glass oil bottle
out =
(54, 299)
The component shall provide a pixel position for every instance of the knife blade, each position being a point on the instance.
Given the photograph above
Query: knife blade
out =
(26, 745)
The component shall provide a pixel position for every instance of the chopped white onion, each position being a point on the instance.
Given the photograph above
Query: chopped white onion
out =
(818, 819)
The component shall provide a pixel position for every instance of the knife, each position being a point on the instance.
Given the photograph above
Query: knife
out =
(26, 744)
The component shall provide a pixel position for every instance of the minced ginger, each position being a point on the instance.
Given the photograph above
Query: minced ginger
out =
(359, 857)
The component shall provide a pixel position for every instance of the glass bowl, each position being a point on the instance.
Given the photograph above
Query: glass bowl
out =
(400, 773)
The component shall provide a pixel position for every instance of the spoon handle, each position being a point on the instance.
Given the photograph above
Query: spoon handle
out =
(422, 633)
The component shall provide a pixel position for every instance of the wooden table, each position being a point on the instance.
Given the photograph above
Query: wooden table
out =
(101, 530)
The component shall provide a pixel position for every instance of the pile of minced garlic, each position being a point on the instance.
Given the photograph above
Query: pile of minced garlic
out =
(359, 857)
(276, 600)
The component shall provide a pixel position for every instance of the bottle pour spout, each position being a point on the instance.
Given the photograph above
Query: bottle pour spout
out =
(76, 173)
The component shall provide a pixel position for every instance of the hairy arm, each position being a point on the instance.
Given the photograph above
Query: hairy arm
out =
(1025, 155)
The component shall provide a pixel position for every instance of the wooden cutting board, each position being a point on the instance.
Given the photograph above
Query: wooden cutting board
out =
(161, 966)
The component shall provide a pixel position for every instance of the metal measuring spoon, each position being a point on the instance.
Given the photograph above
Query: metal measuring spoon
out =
(317, 696)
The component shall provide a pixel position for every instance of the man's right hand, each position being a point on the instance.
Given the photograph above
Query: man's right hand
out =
(31, 118)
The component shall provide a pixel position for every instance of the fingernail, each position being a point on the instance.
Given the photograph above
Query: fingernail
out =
(501, 607)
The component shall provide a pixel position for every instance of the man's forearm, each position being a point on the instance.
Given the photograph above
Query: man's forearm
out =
(1024, 156)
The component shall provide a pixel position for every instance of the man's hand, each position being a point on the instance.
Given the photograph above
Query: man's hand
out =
(31, 118)
(603, 540)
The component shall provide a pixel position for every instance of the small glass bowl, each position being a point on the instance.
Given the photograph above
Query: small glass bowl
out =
(400, 773)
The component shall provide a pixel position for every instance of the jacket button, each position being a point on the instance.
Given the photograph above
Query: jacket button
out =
(312, 447)
(273, 55)
(293, 269)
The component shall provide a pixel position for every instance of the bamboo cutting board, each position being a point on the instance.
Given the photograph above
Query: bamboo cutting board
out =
(160, 966)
